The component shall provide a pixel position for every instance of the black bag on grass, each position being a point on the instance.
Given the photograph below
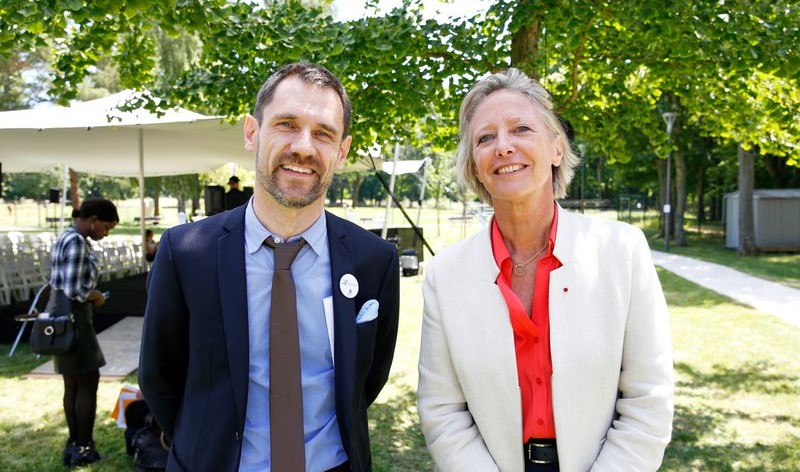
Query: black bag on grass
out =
(144, 439)
(136, 414)
(150, 452)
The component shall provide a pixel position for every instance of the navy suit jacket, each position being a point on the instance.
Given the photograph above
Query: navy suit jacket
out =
(194, 362)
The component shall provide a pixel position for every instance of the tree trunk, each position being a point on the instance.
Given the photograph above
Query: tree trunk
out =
(357, 190)
(747, 238)
(525, 46)
(600, 184)
(716, 206)
(74, 189)
(155, 184)
(680, 197)
(194, 188)
(661, 170)
(701, 190)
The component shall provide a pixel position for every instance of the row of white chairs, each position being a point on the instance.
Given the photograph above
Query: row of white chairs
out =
(25, 262)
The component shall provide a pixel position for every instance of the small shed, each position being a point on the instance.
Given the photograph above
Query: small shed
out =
(776, 217)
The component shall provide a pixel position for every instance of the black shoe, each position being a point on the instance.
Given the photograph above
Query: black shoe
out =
(70, 448)
(85, 455)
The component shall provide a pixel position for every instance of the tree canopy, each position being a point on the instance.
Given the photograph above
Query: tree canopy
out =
(730, 68)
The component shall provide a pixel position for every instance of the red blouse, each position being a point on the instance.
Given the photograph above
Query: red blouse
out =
(531, 336)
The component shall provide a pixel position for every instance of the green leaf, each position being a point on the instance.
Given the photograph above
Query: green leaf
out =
(35, 27)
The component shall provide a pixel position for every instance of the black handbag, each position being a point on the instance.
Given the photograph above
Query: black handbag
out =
(54, 335)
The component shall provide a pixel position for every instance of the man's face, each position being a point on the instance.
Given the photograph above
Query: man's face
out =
(298, 143)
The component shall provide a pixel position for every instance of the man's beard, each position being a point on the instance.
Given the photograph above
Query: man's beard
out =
(289, 199)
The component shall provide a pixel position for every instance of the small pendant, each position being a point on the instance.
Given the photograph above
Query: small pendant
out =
(519, 270)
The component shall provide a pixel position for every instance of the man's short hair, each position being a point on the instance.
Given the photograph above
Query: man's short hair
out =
(233, 180)
(310, 74)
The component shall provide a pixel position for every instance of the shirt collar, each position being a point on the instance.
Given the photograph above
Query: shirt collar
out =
(255, 233)
(73, 229)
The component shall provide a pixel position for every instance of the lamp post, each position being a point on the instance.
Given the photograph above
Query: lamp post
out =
(582, 148)
(669, 119)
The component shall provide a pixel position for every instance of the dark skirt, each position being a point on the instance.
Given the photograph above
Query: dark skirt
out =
(86, 356)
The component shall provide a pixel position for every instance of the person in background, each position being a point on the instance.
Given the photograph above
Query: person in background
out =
(234, 197)
(74, 274)
(150, 246)
(545, 338)
(238, 370)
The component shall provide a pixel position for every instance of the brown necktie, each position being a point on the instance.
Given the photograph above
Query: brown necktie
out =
(287, 445)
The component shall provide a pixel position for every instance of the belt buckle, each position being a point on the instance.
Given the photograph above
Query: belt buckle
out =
(531, 446)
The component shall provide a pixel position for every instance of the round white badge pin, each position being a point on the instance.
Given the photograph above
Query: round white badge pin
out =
(348, 285)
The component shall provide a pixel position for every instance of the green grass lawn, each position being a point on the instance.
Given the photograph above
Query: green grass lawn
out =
(737, 372)
(737, 398)
(737, 384)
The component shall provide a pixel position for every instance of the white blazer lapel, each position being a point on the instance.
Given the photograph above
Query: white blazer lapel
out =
(476, 321)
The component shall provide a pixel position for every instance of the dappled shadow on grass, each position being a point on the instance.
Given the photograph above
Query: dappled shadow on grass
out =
(396, 438)
(733, 456)
(691, 423)
(717, 427)
(688, 451)
(34, 444)
(751, 377)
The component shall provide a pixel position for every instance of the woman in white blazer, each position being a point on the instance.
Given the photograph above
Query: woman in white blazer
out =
(545, 341)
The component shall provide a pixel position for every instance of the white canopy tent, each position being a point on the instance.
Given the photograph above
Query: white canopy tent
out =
(403, 167)
(96, 137)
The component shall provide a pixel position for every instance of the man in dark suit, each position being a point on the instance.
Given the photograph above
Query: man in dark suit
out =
(235, 197)
(205, 363)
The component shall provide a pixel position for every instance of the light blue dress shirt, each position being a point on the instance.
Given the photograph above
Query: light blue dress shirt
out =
(312, 276)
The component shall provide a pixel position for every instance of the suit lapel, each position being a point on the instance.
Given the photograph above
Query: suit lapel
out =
(233, 297)
(488, 345)
(568, 311)
(344, 314)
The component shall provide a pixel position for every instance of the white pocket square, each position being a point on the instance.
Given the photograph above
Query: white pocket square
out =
(368, 312)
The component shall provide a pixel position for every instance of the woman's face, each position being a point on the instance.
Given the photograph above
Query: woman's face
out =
(99, 229)
(513, 151)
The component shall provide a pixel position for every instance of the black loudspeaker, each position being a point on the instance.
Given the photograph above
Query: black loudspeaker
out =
(214, 196)
(54, 196)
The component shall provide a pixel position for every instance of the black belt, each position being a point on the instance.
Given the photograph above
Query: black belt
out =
(540, 451)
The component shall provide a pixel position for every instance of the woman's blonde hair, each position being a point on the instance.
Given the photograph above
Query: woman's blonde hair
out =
(513, 80)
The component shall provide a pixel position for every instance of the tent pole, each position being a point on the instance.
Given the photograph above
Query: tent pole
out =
(422, 190)
(385, 229)
(141, 198)
(63, 199)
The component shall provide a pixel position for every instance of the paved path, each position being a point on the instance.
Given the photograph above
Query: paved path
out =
(120, 344)
(768, 297)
